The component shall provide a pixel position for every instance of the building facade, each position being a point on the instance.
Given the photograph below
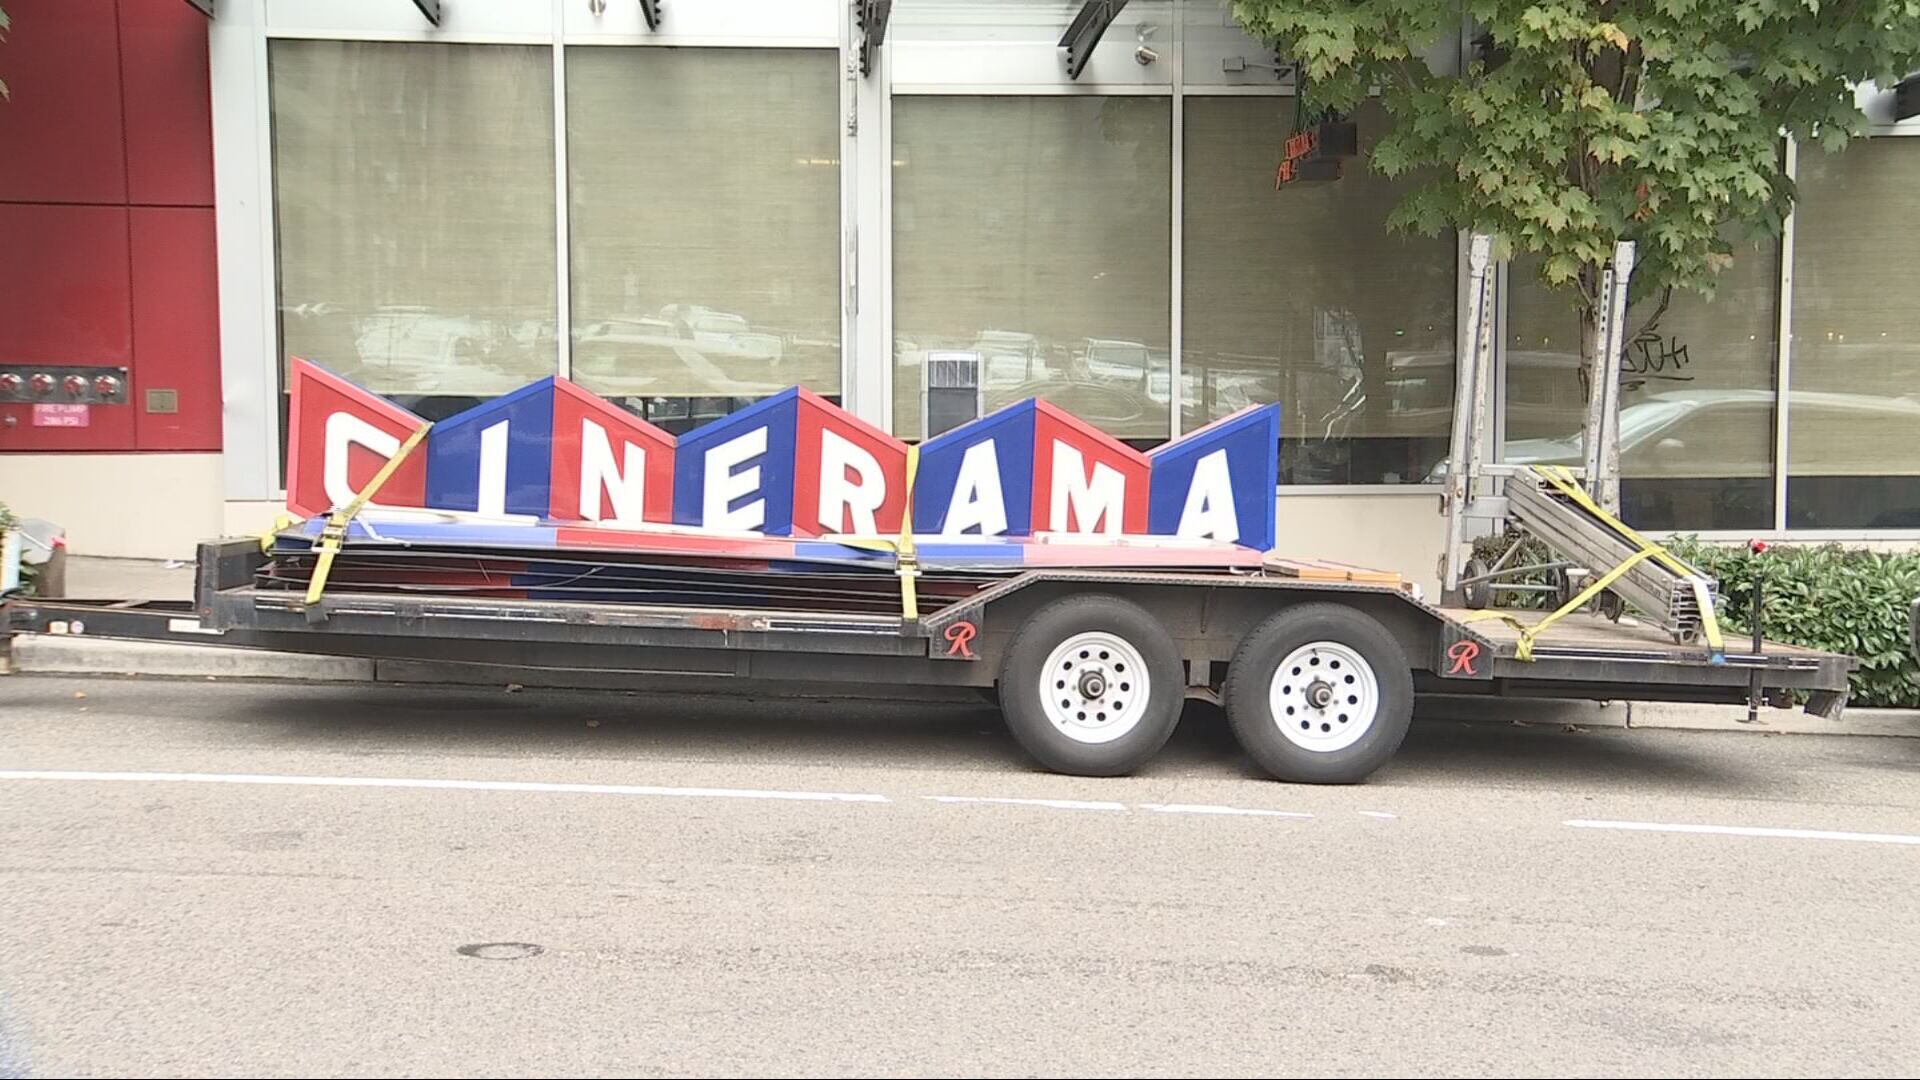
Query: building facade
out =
(751, 194)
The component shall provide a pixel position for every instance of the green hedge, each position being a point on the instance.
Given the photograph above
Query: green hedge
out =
(1829, 597)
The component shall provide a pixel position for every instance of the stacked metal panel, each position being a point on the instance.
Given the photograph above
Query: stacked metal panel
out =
(1650, 585)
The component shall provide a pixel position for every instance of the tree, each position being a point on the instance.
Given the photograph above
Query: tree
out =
(1576, 123)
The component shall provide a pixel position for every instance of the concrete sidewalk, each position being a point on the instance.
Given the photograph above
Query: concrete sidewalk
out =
(70, 655)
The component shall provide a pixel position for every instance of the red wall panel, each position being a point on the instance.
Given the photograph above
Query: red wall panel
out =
(65, 298)
(163, 60)
(62, 130)
(176, 327)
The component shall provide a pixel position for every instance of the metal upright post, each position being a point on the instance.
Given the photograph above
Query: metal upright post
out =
(1590, 428)
(1602, 430)
(1462, 460)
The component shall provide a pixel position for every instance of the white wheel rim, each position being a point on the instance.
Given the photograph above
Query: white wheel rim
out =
(1324, 696)
(1094, 687)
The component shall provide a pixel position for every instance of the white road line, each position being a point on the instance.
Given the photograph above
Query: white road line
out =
(456, 785)
(1055, 804)
(1749, 830)
(1203, 808)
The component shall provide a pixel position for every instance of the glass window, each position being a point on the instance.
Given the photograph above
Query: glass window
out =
(703, 187)
(1853, 411)
(414, 215)
(1301, 295)
(1696, 401)
(1031, 236)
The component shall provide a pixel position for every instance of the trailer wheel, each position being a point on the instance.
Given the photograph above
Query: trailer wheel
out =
(1091, 686)
(1477, 595)
(1320, 694)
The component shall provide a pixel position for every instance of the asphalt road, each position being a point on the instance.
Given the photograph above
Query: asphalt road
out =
(205, 879)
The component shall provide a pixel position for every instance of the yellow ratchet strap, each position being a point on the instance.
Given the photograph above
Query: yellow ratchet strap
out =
(335, 532)
(1523, 650)
(281, 522)
(907, 563)
(1562, 480)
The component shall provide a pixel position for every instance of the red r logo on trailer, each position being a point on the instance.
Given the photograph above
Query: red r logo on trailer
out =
(1463, 654)
(958, 635)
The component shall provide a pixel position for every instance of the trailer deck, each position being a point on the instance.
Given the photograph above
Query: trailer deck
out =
(1451, 650)
(1316, 664)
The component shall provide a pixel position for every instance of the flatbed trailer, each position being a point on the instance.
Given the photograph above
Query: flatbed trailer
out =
(1090, 667)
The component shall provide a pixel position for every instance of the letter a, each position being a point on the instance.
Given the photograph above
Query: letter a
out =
(1209, 511)
(977, 501)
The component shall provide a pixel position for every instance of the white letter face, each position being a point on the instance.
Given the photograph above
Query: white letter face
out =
(625, 486)
(840, 497)
(1209, 511)
(1091, 504)
(725, 485)
(492, 496)
(977, 502)
(344, 430)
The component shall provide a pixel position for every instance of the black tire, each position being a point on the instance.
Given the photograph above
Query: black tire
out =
(1563, 590)
(1250, 683)
(1478, 595)
(1027, 663)
(1610, 606)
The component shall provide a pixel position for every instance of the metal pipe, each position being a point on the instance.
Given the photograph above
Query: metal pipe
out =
(1495, 574)
(1754, 691)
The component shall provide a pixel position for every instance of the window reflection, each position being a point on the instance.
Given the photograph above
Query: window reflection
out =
(704, 212)
(1302, 296)
(1696, 401)
(1031, 236)
(1853, 414)
(413, 207)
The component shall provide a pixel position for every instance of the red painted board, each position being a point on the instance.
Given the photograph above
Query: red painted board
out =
(176, 327)
(61, 134)
(163, 60)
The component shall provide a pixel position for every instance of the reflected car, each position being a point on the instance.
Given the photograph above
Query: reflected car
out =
(1707, 433)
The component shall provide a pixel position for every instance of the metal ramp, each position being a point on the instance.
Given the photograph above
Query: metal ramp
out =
(1597, 559)
(1669, 593)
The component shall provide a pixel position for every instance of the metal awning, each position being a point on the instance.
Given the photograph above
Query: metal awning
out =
(1085, 32)
(872, 16)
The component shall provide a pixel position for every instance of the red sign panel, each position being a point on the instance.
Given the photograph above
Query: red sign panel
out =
(341, 436)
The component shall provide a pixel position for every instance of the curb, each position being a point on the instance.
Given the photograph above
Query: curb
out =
(44, 654)
(57, 654)
(1666, 715)
(65, 654)
(1546, 712)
